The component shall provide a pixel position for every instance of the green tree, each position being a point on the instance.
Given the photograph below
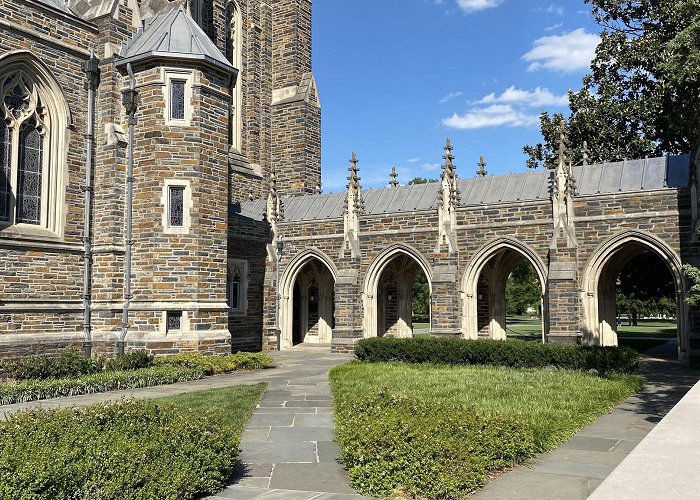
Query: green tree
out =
(522, 290)
(420, 180)
(420, 295)
(642, 96)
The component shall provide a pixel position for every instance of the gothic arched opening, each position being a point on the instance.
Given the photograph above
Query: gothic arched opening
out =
(402, 298)
(635, 282)
(312, 306)
(503, 294)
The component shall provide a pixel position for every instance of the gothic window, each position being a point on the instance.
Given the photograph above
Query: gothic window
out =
(23, 140)
(237, 285)
(176, 199)
(176, 206)
(177, 99)
(173, 321)
(234, 53)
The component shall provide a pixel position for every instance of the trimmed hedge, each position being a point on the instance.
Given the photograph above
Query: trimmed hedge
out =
(71, 363)
(32, 390)
(211, 365)
(424, 449)
(510, 353)
(127, 449)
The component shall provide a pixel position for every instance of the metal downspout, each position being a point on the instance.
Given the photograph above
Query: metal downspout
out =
(92, 71)
(130, 102)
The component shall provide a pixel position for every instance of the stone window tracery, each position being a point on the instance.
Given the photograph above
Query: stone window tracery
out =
(237, 285)
(23, 141)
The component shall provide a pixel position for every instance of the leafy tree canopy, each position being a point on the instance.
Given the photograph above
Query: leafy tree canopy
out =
(642, 97)
(420, 180)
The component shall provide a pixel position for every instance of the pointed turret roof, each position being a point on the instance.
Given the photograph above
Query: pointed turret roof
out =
(57, 4)
(173, 35)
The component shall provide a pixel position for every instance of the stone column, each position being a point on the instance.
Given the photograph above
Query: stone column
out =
(445, 307)
(349, 307)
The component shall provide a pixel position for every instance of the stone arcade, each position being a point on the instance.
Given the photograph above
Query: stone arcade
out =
(226, 242)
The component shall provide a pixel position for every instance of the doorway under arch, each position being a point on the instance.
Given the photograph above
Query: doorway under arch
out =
(307, 311)
(397, 287)
(601, 280)
(484, 289)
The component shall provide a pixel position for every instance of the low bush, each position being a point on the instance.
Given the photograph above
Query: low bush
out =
(211, 365)
(32, 390)
(133, 360)
(127, 449)
(510, 353)
(69, 363)
(423, 448)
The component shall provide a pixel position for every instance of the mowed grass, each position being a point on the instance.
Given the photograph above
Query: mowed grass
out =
(662, 328)
(526, 328)
(230, 407)
(554, 403)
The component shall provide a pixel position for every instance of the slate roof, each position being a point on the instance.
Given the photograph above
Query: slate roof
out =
(668, 172)
(173, 34)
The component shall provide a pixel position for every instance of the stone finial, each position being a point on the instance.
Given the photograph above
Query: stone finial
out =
(448, 201)
(275, 213)
(482, 168)
(354, 189)
(354, 207)
(584, 153)
(318, 189)
(394, 182)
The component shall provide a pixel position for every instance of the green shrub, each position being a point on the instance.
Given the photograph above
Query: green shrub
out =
(211, 365)
(69, 363)
(32, 390)
(127, 449)
(133, 360)
(511, 353)
(423, 448)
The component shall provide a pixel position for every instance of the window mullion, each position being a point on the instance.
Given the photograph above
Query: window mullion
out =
(14, 172)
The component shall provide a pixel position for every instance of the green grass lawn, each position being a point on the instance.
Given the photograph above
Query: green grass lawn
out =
(663, 328)
(531, 328)
(230, 407)
(555, 403)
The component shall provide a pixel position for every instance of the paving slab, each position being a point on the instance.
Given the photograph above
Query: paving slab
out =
(578, 467)
(326, 477)
(300, 434)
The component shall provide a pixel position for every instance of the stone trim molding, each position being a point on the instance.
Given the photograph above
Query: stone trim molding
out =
(167, 76)
(187, 205)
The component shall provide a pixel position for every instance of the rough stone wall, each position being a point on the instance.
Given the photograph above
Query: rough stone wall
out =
(41, 279)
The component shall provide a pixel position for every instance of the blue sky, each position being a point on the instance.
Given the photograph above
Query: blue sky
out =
(397, 77)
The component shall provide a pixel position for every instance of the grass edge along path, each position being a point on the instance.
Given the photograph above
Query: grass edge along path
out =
(549, 404)
(178, 447)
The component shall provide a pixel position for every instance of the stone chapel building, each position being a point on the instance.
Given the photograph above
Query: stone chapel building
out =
(223, 94)
(160, 188)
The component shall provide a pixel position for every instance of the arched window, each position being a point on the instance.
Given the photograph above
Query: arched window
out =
(234, 53)
(237, 286)
(34, 119)
(23, 135)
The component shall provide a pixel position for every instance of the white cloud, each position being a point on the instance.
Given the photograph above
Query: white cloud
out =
(451, 96)
(555, 9)
(566, 53)
(413, 160)
(475, 5)
(431, 167)
(554, 27)
(537, 98)
(496, 115)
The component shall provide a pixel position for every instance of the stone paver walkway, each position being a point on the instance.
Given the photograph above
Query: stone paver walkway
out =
(287, 448)
(575, 469)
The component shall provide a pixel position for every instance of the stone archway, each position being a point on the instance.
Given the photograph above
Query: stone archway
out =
(307, 300)
(599, 285)
(484, 288)
(387, 295)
